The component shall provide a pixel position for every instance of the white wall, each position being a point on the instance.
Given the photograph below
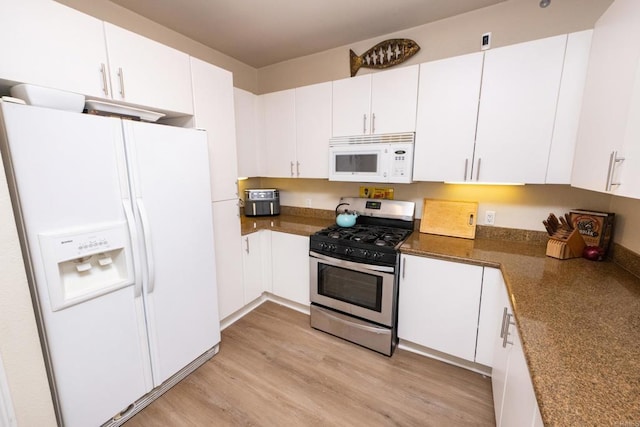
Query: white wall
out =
(510, 22)
(19, 343)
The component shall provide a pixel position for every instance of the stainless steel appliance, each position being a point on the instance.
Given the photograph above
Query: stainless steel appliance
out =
(261, 202)
(372, 158)
(355, 270)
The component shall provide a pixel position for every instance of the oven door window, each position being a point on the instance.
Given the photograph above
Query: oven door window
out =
(353, 287)
(356, 163)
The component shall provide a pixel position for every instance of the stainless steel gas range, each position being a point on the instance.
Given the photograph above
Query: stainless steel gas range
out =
(355, 270)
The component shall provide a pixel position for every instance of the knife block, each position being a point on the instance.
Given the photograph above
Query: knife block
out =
(565, 245)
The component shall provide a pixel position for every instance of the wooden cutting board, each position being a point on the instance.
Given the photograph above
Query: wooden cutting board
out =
(447, 218)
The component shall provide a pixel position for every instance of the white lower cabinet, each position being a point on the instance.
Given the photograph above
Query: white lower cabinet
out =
(438, 305)
(254, 265)
(290, 264)
(514, 399)
(226, 228)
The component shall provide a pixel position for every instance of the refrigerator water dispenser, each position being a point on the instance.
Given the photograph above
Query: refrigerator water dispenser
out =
(84, 263)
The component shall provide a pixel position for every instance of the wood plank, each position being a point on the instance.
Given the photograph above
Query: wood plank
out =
(274, 369)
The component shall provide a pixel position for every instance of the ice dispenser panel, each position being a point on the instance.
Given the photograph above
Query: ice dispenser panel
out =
(86, 262)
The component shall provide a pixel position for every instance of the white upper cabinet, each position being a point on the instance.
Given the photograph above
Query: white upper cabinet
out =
(490, 117)
(147, 73)
(247, 147)
(278, 132)
(48, 44)
(313, 130)
(448, 97)
(214, 112)
(378, 103)
(295, 127)
(565, 129)
(609, 128)
(520, 85)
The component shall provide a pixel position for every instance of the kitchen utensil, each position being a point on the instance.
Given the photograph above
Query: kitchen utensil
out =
(449, 218)
(346, 218)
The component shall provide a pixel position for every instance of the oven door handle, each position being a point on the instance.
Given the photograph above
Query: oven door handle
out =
(352, 265)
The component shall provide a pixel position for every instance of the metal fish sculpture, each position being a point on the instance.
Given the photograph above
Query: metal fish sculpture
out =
(383, 55)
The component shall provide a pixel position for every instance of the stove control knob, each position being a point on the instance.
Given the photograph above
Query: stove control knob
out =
(348, 251)
(377, 255)
(322, 245)
(366, 254)
(332, 247)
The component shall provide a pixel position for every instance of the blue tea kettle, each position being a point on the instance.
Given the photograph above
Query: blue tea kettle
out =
(346, 219)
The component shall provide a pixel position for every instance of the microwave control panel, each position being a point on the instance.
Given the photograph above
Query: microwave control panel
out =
(401, 160)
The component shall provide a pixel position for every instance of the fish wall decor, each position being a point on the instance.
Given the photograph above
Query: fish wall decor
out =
(383, 55)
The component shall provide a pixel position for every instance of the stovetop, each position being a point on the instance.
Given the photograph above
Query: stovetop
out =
(361, 243)
(378, 236)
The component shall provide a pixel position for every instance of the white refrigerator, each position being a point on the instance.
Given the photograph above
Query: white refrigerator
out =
(117, 235)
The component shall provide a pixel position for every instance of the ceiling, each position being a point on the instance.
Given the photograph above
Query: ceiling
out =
(265, 32)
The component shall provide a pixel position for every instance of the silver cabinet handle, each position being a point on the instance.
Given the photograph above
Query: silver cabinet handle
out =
(298, 168)
(121, 77)
(364, 123)
(291, 167)
(478, 170)
(505, 338)
(373, 123)
(404, 266)
(246, 240)
(103, 71)
(466, 168)
(613, 162)
(504, 322)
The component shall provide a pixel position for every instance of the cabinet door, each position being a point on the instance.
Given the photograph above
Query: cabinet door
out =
(490, 319)
(352, 106)
(253, 274)
(148, 73)
(290, 262)
(565, 130)
(627, 174)
(52, 45)
(394, 96)
(246, 116)
(448, 96)
(501, 350)
(279, 128)
(519, 406)
(213, 111)
(313, 130)
(438, 305)
(520, 85)
(608, 94)
(226, 228)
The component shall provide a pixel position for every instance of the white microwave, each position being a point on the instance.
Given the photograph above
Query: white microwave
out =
(372, 158)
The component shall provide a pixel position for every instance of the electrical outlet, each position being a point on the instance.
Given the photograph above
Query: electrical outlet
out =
(307, 203)
(490, 217)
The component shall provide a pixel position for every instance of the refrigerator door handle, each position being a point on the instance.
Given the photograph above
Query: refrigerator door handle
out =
(131, 225)
(146, 233)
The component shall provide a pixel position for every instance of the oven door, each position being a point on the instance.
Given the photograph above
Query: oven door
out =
(362, 290)
(359, 162)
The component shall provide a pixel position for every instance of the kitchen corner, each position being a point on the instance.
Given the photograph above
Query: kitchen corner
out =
(577, 319)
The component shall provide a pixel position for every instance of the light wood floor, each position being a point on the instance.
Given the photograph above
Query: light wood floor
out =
(273, 369)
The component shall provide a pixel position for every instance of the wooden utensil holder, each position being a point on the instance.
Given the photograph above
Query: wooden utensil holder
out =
(565, 244)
